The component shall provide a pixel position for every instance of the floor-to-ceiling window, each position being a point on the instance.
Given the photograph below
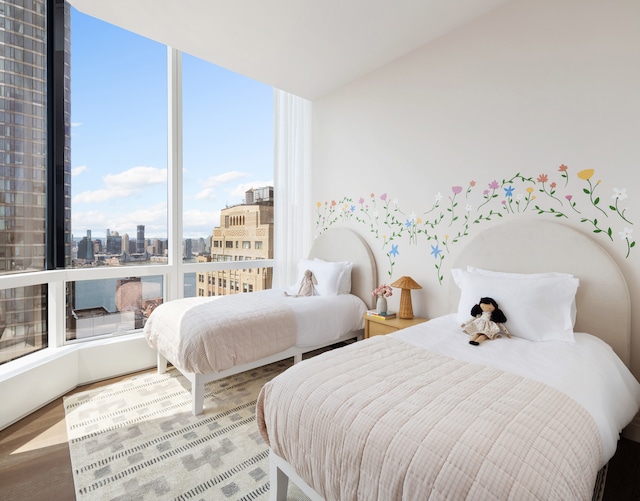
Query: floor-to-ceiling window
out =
(118, 176)
(227, 177)
(93, 213)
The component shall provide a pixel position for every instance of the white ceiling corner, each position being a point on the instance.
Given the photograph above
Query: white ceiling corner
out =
(308, 48)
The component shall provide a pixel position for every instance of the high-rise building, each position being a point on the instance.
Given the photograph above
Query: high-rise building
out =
(25, 171)
(140, 240)
(187, 251)
(245, 234)
(23, 137)
(114, 243)
(125, 243)
(86, 249)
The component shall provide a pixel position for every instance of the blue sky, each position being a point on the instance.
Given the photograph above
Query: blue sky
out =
(119, 135)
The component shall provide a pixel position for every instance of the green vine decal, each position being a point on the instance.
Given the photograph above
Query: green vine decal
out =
(443, 227)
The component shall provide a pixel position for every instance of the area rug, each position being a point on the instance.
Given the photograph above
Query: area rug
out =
(136, 439)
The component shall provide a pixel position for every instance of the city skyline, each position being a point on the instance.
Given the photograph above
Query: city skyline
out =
(119, 135)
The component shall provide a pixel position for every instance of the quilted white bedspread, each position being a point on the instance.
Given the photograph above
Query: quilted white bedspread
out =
(382, 419)
(211, 334)
(204, 336)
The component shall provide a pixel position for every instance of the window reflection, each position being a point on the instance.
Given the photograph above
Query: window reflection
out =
(110, 306)
(23, 321)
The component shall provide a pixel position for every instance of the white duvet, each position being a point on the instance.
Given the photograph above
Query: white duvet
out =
(587, 370)
(212, 334)
(322, 319)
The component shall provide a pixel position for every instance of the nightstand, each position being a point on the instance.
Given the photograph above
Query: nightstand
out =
(376, 326)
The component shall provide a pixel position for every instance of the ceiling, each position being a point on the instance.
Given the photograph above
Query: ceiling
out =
(305, 47)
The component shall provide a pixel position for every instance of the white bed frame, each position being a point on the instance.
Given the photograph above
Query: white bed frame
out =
(530, 246)
(336, 244)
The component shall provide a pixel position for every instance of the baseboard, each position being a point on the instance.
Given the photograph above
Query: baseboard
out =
(632, 431)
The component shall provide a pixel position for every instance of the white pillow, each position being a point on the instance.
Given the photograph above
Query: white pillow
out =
(344, 284)
(327, 275)
(473, 269)
(537, 308)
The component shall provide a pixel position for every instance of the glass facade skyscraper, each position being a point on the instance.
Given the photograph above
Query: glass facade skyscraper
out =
(23, 137)
(24, 169)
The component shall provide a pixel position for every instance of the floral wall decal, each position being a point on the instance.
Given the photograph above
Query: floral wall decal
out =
(450, 220)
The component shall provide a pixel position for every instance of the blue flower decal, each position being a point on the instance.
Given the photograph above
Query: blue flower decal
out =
(508, 191)
(435, 251)
(394, 250)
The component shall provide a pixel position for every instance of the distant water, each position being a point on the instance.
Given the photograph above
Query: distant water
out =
(96, 293)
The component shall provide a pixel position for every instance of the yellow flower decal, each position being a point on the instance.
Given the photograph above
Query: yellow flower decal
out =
(586, 174)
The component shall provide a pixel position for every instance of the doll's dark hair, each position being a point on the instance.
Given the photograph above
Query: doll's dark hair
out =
(497, 316)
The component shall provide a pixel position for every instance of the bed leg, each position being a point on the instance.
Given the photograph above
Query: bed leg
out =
(197, 397)
(279, 483)
(297, 358)
(162, 364)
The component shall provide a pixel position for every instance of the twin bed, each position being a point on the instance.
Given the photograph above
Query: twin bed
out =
(421, 413)
(209, 338)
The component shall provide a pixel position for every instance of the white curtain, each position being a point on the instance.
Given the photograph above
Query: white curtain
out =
(292, 185)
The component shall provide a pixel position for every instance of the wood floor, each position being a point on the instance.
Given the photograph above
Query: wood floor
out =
(34, 456)
(35, 463)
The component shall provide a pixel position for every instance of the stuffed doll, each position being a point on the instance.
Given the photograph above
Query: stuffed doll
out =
(487, 322)
(306, 285)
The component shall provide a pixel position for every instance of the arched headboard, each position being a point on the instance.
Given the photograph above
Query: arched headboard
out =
(343, 244)
(535, 246)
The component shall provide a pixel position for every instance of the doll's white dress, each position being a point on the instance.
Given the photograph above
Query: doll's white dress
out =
(483, 325)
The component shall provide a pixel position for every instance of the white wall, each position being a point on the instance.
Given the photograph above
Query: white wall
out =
(41, 378)
(531, 86)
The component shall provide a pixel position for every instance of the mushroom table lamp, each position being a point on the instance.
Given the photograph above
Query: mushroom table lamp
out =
(406, 284)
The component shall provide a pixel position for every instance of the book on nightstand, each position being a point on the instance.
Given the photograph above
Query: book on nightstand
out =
(386, 316)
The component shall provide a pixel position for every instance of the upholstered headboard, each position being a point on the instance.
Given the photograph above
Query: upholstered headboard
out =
(535, 246)
(343, 244)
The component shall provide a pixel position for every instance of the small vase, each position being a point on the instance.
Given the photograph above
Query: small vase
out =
(381, 305)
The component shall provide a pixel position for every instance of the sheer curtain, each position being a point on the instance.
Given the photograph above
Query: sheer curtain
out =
(292, 185)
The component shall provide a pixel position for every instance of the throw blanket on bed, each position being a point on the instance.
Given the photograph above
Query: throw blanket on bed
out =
(210, 335)
(384, 420)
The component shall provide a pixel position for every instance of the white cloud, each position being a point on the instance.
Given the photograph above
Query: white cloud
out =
(76, 171)
(136, 178)
(154, 217)
(75, 124)
(209, 186)
(90, 220)
(199, 223)
(100, 196)
(127, 195)
(241, 189)
(124, 184)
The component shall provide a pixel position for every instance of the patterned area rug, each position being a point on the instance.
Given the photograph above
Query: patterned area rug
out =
(137, 439)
